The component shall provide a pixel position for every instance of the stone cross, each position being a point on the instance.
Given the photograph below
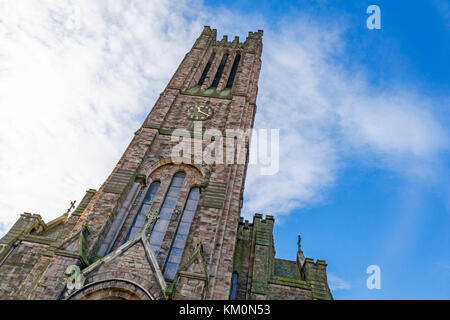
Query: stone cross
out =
(151, 216)
(72, 205)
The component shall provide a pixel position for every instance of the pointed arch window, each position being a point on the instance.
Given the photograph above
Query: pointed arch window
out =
(234, 285)
(160, 227)
(179, 243)
(145, 207)
(219, 71)
(207, 67)
(233, 71)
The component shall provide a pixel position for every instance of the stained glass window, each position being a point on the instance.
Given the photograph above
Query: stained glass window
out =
(219, 71)
(145, 207)
(181, 236)
(160, 227)
(233, 71)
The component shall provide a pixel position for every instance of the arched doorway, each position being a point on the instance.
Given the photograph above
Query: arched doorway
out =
(112, 289)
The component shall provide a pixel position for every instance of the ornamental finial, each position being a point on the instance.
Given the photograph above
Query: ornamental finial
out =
(72, 205)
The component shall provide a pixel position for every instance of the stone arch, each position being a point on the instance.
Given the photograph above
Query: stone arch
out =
(203, 170)
(165, 170)
(162, 171)
(112, 289)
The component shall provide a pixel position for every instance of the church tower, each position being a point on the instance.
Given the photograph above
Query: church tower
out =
(165, 226)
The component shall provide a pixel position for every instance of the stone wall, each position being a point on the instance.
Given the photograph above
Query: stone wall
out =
(262, 276)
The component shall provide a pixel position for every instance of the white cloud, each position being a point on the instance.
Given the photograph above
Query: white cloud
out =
(3, 228)
(74, 86)
(328, 115)
(335, 283)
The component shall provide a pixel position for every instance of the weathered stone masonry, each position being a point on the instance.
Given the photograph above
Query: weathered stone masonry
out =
(220, 248)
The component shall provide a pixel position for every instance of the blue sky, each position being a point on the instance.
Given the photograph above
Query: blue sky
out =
(363, 118)
(374, 213)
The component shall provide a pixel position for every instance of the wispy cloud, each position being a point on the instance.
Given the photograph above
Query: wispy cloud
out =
(75, 77)
(444, 265)
(328, 115)
(335, 283)
(443, 7)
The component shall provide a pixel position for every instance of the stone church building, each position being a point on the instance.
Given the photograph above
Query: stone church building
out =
(162, 227)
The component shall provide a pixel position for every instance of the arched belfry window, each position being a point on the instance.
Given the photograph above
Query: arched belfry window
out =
(233, 71)
(206, 70)
(219, 72)
(181, 235)
(234, 285)
(145, 207)
(160, 227)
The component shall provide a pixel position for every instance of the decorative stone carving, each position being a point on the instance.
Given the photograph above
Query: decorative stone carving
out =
(176, 212)
(152, 216)
(74, 279)
(300, 255)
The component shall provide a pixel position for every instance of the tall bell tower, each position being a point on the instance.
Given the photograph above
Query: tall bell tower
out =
(198, 204)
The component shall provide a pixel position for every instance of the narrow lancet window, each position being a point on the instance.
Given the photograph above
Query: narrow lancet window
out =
(233, 71)
(181, 236)
(145, 207)
(160, 227)
(205, 71)
(234, 284)
(219, 71)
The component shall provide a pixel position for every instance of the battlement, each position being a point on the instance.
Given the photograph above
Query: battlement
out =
(318, 262)
(271, 277)
(255, 35)
(257, 218)
(269, 221)
(212, 33)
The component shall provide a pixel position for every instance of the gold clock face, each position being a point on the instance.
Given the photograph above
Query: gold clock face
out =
(199, 112)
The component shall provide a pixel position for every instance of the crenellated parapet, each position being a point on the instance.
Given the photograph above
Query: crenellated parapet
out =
(220, 69)
(211, 35)
(262, 276)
